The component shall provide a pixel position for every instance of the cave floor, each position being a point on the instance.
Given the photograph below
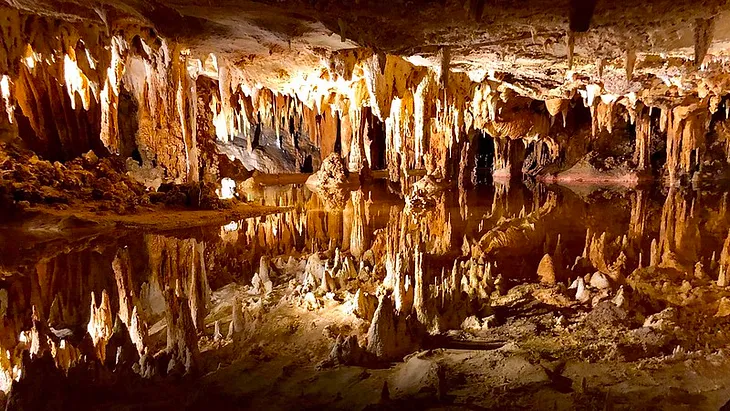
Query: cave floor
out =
(644, 329)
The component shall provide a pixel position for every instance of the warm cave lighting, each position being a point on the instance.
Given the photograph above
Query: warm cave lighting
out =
(5, 91)
(232, 226)
(30, 57)
(228, 189)
(76, 82)
(331, 205)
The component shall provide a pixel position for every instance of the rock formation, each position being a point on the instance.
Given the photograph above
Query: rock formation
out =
(432, 135)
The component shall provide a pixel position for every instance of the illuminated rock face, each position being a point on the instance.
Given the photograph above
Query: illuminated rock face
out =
(129, 104)
(171, 94)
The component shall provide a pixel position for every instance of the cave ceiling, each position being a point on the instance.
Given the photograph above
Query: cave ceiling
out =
(541, 49)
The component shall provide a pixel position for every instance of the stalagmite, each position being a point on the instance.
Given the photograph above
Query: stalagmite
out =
(600, 281)
(722, 280)
(654, 253)
(217, 336)
(620, 298)
(546, 270)
(366, 305)
(236, 325)
(581, 293)
(388, 337)
(328, 281)
(600, 63)
(261, 281)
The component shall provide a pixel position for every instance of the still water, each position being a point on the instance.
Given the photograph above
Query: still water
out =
(62, 286)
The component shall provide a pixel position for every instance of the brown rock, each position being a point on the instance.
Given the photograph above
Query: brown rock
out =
(332, 173)
(546, 270)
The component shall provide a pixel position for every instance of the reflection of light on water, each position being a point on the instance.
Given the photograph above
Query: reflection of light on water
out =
(229, 232)
(232, 226)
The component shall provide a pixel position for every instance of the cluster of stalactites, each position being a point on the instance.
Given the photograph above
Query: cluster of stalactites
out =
(65, 79)
(685, 123)
(427, 113)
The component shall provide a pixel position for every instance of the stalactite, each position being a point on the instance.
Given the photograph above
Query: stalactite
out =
(687, 126)
(643, 138)
(445, 59)
(423, 113)
(604, 113)
(110, 96)
(359, 158)
(427, 113)
(557, 105)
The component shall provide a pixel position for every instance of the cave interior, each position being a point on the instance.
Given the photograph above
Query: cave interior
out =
(418, 204)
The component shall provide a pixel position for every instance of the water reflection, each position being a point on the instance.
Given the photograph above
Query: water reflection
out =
(141, 302)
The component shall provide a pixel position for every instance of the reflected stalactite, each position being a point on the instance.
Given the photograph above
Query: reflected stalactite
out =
(182, 341)
(100, 324)
(179, 264)
(157, 300)
(518, 232)
(637, 223)
(128, 300)
(121, 304)
(679, 232)
(360, 230)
